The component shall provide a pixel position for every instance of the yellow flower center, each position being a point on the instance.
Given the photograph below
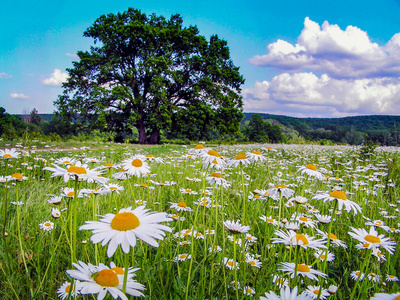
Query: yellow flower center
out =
(17, 176)
(47, 224)
(269, 220)
(182, 256)
(358, 273)
(316, 292)
(303, 268)
(322, 256)
(304, 219)
(118, 270)
(109, 165)
(311, 167)
(106, 278)
(125, 221)
(240, 156)
(67, 288)
(333, 237)
(302, 238)
(181, 204)
(199, 146)
(280, 186)
(188, 191)
(366, 245)
(230, 263)
(213, 153)
(338, 195)
(7, 155)
(269, 148)
(76, 170)
(378, 223)
(137, 163)
(66, 162)
(256, 152)
(143, 185)
(71, 194)
(150, 156)
(372, 239)
(218, 175)
(112, 188)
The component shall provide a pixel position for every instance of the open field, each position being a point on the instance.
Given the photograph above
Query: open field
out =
(204, 222)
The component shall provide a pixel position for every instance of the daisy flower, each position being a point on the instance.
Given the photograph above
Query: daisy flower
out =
(341, 197)
(79, 171)
(383, 296)
(248, 291)
(9, 153)
(124, 227)
(113, 187)
(378, 223)
(188, 191)
(209, 156)
(314, 290)
(54, 199)
(55, 213)
(215, 248)
(136, 165)
(256, 156)
(65, 161)
(46, 226)
(311, 170)
(240, 159)
(269, 220)
(236, 227)
(182, 257)
(305, 221)
(65, 290)
(303, 270)
(282, 190)
(231, 264)
(280, 281)
(101, 280)
(286, 294)
(324, 219)
(355, 274)
(253, 261)
(334, 239)
(217, 179)
(392, 278)
(18, 177)
(298, 239)
(373, 239)
(151, 157)
(180, 206)
(321, 254)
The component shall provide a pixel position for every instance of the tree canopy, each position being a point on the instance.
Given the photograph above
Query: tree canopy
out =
(153, 74)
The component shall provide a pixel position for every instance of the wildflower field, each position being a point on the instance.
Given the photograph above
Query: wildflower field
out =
(199, 222)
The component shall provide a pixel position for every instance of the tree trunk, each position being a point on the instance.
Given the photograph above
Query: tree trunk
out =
(142, 132)
(155, 136)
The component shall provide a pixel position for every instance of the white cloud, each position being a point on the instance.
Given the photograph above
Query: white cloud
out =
(305, 94)
(73, 55)
(339, 53)
(5, 76)
(18, 96)
(57, 78)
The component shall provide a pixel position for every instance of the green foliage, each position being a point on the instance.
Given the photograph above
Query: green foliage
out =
(11, 127)
(349, 130)
(261, 131)
(152, 73)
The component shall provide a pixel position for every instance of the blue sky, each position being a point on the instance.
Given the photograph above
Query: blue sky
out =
(299, 58)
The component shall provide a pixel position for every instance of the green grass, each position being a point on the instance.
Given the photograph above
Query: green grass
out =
(40, 270)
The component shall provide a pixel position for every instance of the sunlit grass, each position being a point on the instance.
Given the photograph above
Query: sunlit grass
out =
(39, 269)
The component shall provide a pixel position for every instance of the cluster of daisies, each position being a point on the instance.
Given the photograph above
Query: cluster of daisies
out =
(305, 212)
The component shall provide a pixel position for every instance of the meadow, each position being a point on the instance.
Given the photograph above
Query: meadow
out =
(199, 221)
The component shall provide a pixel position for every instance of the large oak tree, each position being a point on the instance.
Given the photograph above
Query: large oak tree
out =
(150, 73)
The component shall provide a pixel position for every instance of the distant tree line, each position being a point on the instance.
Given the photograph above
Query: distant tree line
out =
(258, 128)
